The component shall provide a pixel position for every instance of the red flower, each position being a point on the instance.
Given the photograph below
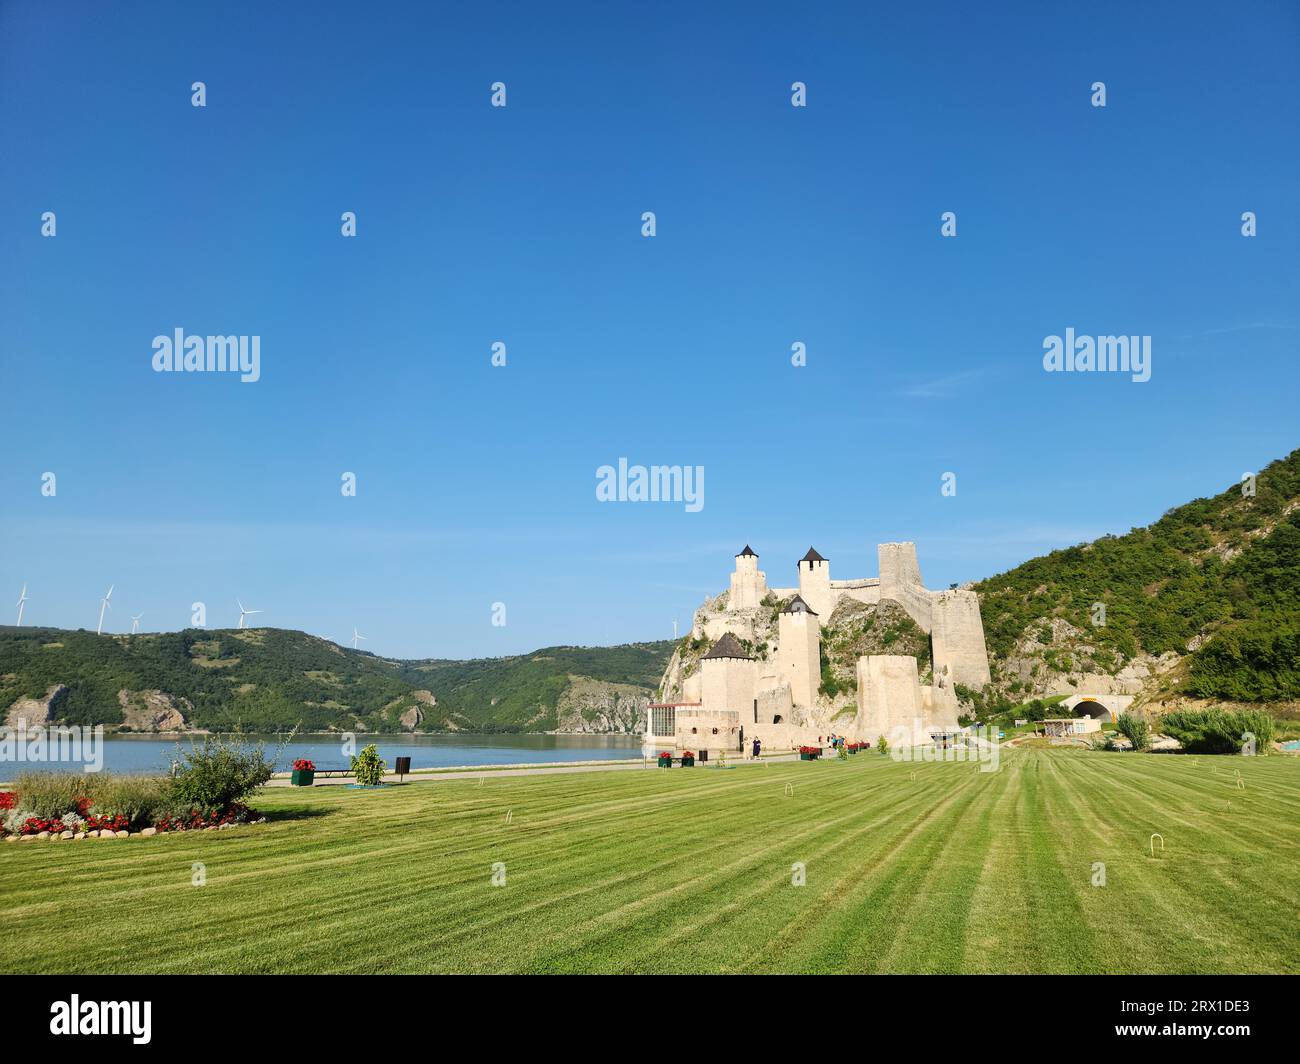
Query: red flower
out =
(8, 799)
(304, 765)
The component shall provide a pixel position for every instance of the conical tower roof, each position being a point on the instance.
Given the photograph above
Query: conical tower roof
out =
(727, 647)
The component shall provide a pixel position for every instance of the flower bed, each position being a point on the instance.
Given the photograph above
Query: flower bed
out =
(303, 774)
(207, 793)
(809, 753)
(688, 759)
(665, 759)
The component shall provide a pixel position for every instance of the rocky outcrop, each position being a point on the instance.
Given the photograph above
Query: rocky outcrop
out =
(589, 705)
(153, 711)
(38, 712)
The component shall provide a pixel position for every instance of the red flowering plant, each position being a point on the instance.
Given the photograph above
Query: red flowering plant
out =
(195, 820)
(34, 825)
(8, 799)
(810, 749)
(304, 765)
(688, 755)
(107, 822)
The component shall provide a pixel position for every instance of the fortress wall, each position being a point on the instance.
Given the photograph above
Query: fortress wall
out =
(773, 702)
(868, 593)
(940, 707)
(889, 696)
(715, 626)
(900, 580)
(958, 637)
(711, 730)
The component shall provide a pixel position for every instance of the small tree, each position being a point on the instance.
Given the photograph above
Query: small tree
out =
(218, 773)
(368, 767)
(1135, 729)
(882, 744)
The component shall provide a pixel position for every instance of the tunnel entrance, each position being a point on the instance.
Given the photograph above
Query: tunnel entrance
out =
(1090, 708)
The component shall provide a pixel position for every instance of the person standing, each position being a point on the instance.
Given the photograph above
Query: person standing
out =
(758, 746)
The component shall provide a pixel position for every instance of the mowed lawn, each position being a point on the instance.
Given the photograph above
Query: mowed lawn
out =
(690, 870)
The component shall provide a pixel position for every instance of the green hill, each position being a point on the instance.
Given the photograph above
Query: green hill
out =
(271, 679)
(1206, 600)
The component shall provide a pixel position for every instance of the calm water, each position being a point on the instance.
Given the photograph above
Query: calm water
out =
(145, 754)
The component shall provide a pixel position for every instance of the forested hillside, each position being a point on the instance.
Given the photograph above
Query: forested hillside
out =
(272, 679)
(1215, 582)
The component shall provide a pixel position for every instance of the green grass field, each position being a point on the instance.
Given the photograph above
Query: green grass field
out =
(690, 870)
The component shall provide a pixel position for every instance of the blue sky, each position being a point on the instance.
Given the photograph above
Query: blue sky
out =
(476, 224)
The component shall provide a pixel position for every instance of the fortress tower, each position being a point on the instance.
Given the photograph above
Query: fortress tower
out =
(798, 655)
(900, 580)
(958, 638)
(727, 676)
(815, 583)
(748, 584)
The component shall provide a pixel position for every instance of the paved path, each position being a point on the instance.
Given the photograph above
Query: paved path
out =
(549, 769)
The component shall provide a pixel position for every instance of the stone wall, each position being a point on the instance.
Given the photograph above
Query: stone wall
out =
(900, 580)
(957, 634)
(889, 696)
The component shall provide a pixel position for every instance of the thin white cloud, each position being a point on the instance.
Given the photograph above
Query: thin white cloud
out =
(944, 387)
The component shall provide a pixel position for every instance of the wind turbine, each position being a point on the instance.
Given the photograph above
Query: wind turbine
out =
(22, 598)
(355, 636)
(135, 623)
(244, 613)
(104, 604)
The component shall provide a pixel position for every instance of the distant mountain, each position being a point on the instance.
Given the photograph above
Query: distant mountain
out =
(1203, 605)
(271, 679)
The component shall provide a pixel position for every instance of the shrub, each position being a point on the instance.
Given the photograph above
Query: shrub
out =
(882, 744)
(369, 767)
(48, 794)
(1135, 729)
(141, 799)
(1218, 731)
(218, 774)
(72, 796)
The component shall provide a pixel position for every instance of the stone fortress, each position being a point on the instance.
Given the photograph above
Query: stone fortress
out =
(735, 694)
